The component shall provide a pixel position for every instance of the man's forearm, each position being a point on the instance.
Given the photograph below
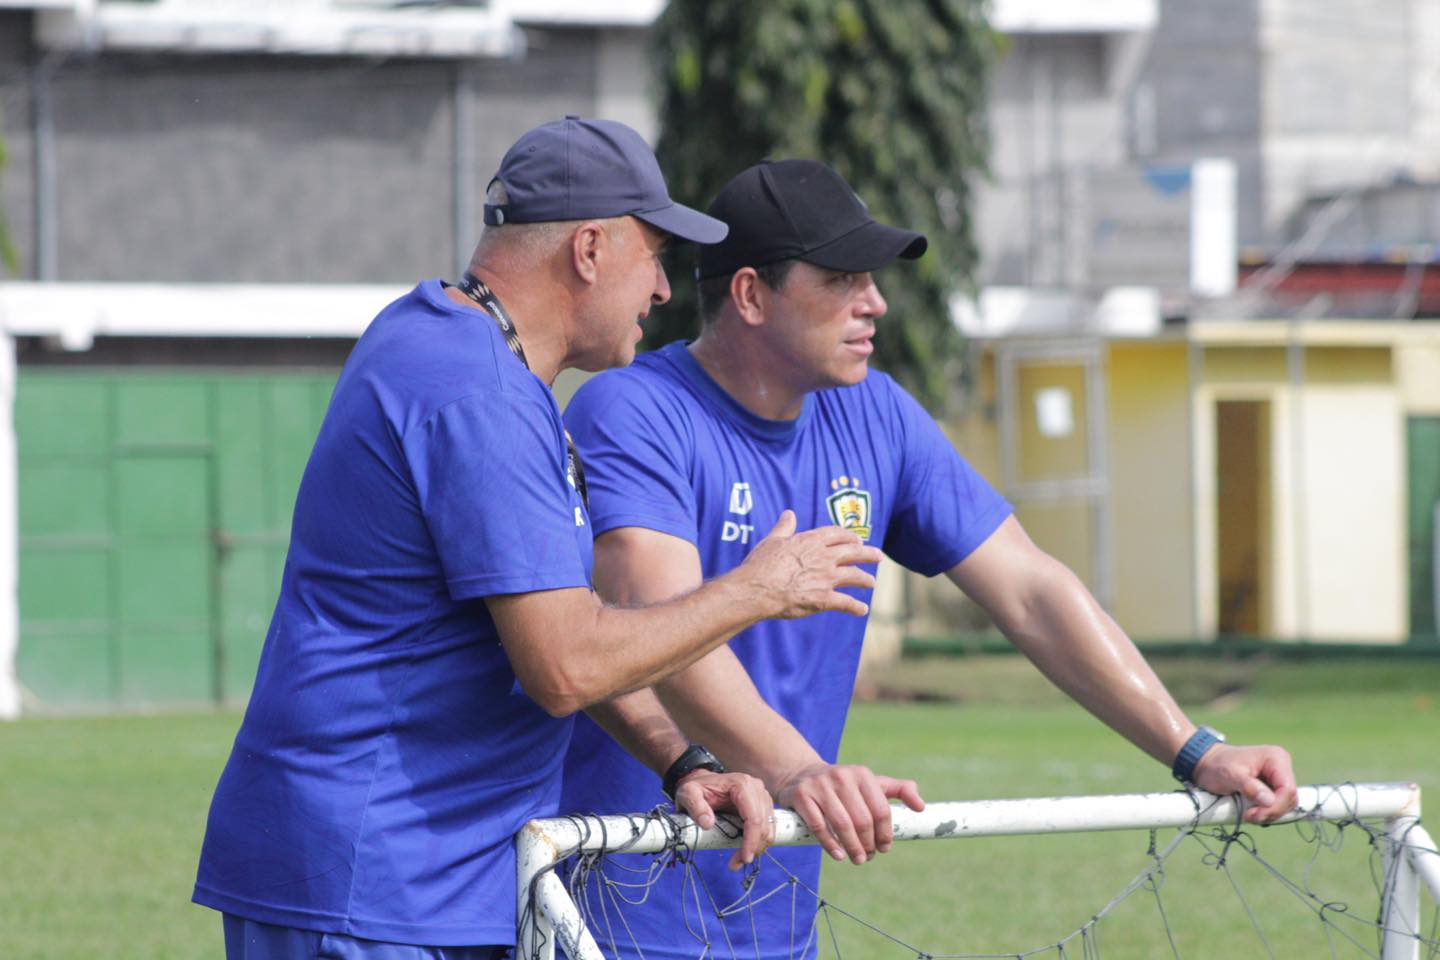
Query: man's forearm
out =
(569, 650)
(573, 651)
(716, 703)
(713, 703)
(1049, 615)
(639, 723)
(1076, 644)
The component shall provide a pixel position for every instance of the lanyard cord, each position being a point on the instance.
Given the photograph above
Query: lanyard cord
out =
(476, 289)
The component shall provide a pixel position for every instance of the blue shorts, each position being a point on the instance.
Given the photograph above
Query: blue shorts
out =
(252, 940)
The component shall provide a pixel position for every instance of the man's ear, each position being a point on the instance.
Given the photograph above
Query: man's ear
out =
(587, 244)
(747, 294)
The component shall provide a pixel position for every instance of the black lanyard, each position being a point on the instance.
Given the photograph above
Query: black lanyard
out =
(476, 289)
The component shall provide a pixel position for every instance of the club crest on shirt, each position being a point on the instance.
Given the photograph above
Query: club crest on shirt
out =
(849, 505)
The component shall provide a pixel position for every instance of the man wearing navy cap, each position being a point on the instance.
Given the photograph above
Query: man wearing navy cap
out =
(695, 448)
(435, 626)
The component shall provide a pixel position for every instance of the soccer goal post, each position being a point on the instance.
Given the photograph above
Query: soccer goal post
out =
(547, 917)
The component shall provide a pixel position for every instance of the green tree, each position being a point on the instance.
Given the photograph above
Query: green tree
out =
(9, 259)
(889, 92)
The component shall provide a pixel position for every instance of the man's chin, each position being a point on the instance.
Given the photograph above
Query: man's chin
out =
(621, 355)
(621, 358)
(855, 373)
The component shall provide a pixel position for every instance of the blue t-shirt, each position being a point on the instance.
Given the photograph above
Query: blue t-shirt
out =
(388, 755)
(667, 449)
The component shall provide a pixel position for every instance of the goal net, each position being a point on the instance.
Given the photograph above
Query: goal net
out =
(1356, 870)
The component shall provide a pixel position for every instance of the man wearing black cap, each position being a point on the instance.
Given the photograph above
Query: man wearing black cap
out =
(694, 448)
(436, 627)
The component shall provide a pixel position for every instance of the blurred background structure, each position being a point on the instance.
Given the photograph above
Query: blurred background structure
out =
(1202, 332)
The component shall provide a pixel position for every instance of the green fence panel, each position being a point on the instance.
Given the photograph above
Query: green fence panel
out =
(154, 517)
(241, 457)
(66, 657)
(248, 530)
(247, 597)
(62, 417)
(1423, 451)
(161, 410)
(165, 571)
(61, 501)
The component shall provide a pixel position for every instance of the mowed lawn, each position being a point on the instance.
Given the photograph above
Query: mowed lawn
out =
(102, 817)
(1016, 737)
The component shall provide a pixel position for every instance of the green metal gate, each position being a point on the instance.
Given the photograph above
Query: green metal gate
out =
(1423, 455)
(154, 515)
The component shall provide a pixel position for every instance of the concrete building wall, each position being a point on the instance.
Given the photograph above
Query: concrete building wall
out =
(1349, 96)
(1149, 477)
(1081, 125)
(1329, 521)
(1335, 569)
(1336, 66)
(1353, 513)
(1204, 69)
(1052, 111)
(251, 170)
(1197, 96)
(183, 168)
(1417, 375)
(624, 87)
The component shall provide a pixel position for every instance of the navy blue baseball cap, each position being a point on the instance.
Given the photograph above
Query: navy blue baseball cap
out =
(800, 210)
(576, 169)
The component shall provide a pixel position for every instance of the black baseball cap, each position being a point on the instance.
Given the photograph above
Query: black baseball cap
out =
(800, 210)
(576, 169)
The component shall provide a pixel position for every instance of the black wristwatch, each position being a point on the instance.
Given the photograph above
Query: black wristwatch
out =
(1189, 756)
(694, 758)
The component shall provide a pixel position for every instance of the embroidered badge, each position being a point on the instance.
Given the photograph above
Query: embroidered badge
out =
(849, 505)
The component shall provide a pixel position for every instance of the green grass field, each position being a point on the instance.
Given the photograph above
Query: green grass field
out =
(103, 816)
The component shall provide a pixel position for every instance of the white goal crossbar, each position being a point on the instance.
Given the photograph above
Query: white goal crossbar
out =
(546, 915)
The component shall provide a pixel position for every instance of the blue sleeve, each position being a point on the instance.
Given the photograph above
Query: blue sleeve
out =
(490, 474)
(636, 453)
(945, 508)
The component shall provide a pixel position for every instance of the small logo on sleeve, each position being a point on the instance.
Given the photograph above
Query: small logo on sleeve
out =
(849, 505)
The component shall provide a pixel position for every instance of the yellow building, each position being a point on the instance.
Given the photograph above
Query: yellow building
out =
(1258, 478)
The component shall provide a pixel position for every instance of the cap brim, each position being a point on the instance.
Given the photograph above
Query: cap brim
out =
(683, 223)
(868, 247)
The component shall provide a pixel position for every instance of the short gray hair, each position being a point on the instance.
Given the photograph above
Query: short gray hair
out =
(530, 238)
(533, 239)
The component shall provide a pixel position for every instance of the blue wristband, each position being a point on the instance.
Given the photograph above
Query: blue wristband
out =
(1189, 756)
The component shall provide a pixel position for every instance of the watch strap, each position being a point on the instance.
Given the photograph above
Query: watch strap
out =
(694, 758)
(1189, 756)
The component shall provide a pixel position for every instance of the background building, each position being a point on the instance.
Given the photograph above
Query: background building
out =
(209, 199)
(209, 202)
